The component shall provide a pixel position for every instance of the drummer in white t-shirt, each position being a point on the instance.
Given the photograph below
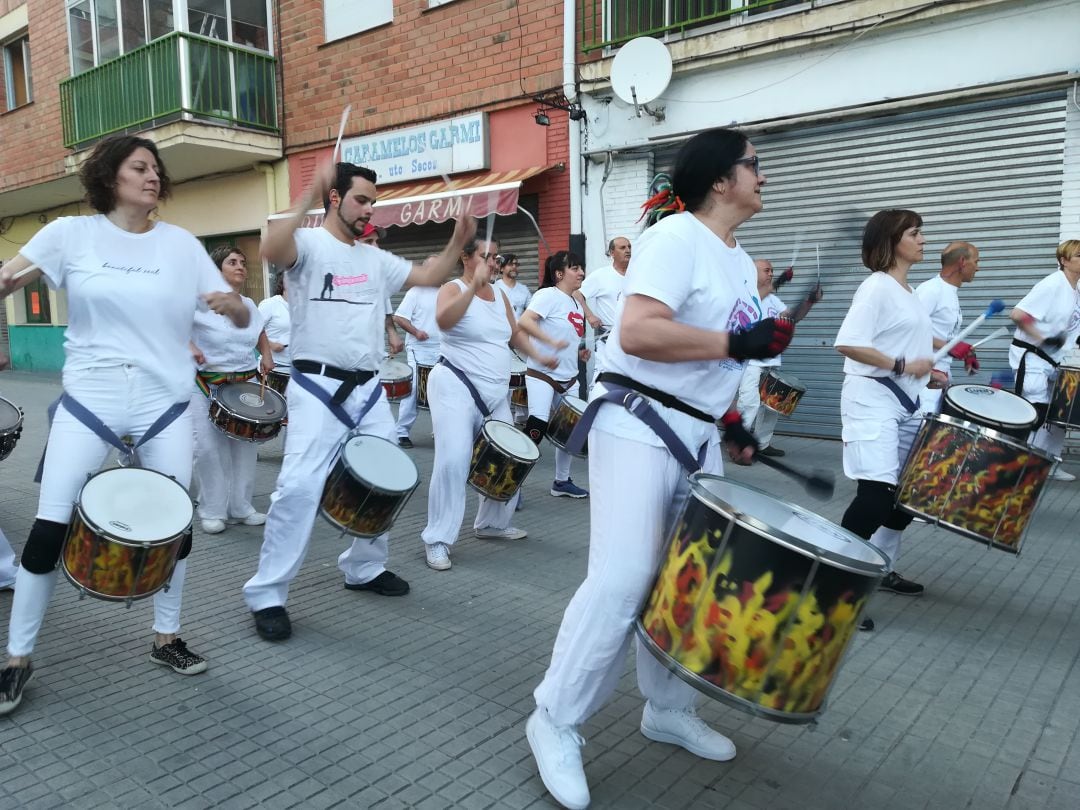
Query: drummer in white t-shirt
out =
(1047, 325)
(276, 324)
(887, 340)
(508, 266)
(416, 317)
(338, 292)
(602, 290)
(959, 264)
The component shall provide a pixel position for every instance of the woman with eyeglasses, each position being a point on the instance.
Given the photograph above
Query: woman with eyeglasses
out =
(685, 326)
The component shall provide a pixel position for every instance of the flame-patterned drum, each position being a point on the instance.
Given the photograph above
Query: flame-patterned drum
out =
(368, 486)
(501, 460)
(780, 392)
(422, 373)
(757, 600)
(564, 419)
(1064, 401)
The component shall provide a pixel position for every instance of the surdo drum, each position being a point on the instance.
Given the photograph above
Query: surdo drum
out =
(128, 526)
(998, 410)
(396, 379)
(1064, 401)
(368, 486)
(247, 411)
(564, 419)
(11, 421)
(757, 600)
(501, 459)
(780, 392)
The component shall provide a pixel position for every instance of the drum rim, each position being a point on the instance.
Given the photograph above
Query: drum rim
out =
(1011, 425)
(516, 429)
(768, 532)
(388, 365)
(785, 378)
(963, 531)
(996, 435)
(18, 422)
(264, 390)
(124, 541)
(344, 462)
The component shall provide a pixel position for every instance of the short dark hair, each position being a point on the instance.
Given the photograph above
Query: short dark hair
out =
(98, 173)
(343, 177)
(279, 283)
(556, 262)
(505, 258)
(219, 254)
(707, 157)
(883, 233)
(473, 244)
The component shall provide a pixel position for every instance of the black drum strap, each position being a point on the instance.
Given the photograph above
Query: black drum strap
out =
(1028, 348)
(301, 379)
(484, 409)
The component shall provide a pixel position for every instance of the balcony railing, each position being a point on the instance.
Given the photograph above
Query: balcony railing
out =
(176, 76)
(605, 23)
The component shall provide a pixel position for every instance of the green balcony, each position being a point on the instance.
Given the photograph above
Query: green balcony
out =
(177, 77)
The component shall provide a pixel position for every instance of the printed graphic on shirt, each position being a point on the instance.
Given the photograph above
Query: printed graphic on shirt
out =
(743, 316)
(341, 284)
(577, 320)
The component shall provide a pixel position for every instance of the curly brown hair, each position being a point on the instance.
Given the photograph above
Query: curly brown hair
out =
(98, 173)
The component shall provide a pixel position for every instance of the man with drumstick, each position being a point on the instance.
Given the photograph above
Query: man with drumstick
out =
(416, 316)
(959, 264)
(336, 347)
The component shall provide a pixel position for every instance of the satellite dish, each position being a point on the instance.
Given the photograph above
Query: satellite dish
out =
(640, 72)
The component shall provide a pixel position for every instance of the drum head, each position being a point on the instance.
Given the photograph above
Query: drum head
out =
(381, 464)
(790, 380)
(252, 401)
(991, 403)
(576, 403)
(510, 440)
(517, 365)
(791, 525)
(394, 370)
(9, 415)
(136, 504)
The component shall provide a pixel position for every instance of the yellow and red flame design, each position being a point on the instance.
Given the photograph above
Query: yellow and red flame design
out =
(354, 507)
(778, 395)
(1064, 404)
(110, 570)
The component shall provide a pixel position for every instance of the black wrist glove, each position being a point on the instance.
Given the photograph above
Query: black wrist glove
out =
(736, 433)
(1056, 342)
(761, 341)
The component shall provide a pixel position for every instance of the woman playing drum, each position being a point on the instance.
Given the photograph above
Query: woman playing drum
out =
(133, 284)
(555, 310)
(680, 340)
(887, 340)
(225, 467)
(476, 325)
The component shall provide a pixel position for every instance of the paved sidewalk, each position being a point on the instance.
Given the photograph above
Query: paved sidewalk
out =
(967, 697)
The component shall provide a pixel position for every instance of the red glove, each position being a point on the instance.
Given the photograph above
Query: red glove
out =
(786, 276)
(963, 351)
(736, 433)
(761, 341)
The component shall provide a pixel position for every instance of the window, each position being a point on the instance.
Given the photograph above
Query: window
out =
(36, 296)
(629, 18)
(17, 72)
(437, 3)
(343, 19)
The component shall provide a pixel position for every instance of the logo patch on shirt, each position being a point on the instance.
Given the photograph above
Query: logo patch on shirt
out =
(577, 320)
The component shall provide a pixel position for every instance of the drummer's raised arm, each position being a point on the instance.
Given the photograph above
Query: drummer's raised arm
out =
(279, 246)
(16, 274)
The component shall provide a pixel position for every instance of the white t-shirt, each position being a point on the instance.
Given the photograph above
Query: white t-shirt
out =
(771, 307)
(1055, 306)
(276, 322)
(131, 297)
(518, 295)
(337, 299)
(225, 346)
(561, 318)
(942, 301)
(418, 308)
(602, 288)
(477, 344)
(683, 264)
(887, 316)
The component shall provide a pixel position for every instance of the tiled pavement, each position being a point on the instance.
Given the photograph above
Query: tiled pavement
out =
(967, 697)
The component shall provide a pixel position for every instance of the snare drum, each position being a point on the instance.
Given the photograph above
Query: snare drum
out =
(757, 599)
(368, 486)
(128, 526)
(1001, 411)
(977, 482)
(1064, 402)
(278, 380)
(501, 459)
(422, 372)
(517, 373)
(247, 411)
(11, 421)
(780, 392)
(396, 379)
(563, 421)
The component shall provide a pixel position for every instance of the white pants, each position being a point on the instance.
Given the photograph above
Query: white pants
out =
(542, 402)
(7, 562)
(456, 420)
(224, 467)
(127, 400)
(1049, 438)
(406, 415)
(757, 419)
(311, 448)
(630, 518)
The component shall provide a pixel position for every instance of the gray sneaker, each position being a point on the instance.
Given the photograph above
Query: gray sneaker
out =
(179, 657)
(13, 681)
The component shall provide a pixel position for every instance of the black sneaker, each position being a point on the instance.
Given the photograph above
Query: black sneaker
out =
(867, 625)
(405, 441)
(385, 584)
(13, 681)
(897, 584)
(272, 623)
(177, 655)
(775, 452)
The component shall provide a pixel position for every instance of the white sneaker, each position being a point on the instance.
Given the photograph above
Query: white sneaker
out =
(254, 519)
(1060, 475)
(557, 751)
(509, 533)
(438, 556)
(684, 728)
(213, 526)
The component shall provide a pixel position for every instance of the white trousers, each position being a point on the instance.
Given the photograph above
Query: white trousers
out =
(456, 420)
(759, 420)
(127, 400)
(406, 415)
(224, 467)
(7, 562)
(311, 448)
(542, 401)
(1049, 438)
(630, 518)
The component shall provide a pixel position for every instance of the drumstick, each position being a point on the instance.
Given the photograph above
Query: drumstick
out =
(262, 387)
(25, 271)
(341, 131)
(819, 484)
(995, 307)
(1001, 331)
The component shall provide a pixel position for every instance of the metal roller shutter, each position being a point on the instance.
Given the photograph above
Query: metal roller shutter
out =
(988, 173)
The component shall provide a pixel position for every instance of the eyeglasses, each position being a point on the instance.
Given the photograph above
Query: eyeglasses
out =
(753, 163)
(486, 256)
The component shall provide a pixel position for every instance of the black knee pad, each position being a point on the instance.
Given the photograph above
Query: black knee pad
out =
(898, 520)
(42, 550)
(873, 505)
(536, 428)
(185, 547)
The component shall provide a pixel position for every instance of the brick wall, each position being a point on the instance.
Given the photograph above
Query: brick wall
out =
(619, 205)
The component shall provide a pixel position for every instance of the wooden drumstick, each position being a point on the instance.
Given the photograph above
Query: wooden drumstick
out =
(995, 307)
(341, 131)
(24, 272)
(262, 387)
